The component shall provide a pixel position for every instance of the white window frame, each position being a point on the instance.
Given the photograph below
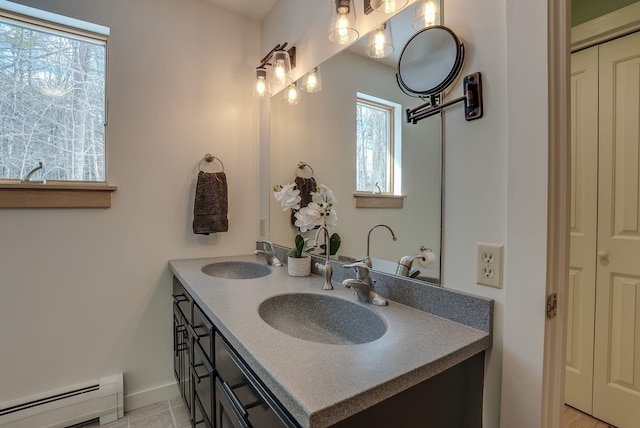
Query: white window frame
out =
(395, 137)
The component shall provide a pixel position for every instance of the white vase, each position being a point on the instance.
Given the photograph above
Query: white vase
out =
(299, 266)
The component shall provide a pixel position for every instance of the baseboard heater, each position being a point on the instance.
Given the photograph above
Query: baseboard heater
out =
(102, 398)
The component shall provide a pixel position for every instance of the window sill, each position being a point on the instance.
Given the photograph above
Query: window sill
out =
(376, 200)
(55, 194)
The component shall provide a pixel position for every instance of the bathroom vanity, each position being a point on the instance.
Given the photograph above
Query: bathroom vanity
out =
(257, 348)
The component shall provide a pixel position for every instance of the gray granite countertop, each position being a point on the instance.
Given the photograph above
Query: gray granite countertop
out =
(322, 384)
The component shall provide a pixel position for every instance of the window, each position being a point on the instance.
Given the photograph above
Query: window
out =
(378, 145)
(52, 97)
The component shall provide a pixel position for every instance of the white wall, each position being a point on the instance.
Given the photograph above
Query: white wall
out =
(87, 293)
(495, 177)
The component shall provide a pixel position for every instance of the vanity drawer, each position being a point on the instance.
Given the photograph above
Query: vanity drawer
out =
(202, 377)
(182, 299)
(240, 392)
(203, 331)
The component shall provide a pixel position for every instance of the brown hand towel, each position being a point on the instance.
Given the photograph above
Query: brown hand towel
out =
(211, 205)
(306, 186)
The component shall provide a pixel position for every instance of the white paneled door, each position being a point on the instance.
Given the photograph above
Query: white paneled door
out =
(616, 386)
(603, 340)
(584, 224)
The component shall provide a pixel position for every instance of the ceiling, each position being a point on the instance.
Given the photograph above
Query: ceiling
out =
(256, 9)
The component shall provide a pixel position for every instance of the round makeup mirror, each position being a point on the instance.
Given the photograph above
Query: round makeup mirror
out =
(430, 62)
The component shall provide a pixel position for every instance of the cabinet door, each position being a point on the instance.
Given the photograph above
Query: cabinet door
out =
(202, 375)
(182, 355)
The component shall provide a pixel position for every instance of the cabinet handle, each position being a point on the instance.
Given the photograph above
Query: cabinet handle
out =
(192, 332)
(234, 400)
(603, 255)
(180, 298)
(179, 345)
(196, 376)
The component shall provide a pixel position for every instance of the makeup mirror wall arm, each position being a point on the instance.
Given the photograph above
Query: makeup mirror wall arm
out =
(472, 98)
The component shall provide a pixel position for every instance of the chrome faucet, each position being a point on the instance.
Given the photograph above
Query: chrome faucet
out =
(326, 268)
(363, 285)
(268, 253)
(367, 260)
(404, 267)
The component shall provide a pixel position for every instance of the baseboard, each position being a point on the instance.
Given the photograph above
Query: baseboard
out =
(145, 398)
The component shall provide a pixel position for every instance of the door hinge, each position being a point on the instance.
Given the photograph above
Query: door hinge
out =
(552, 305)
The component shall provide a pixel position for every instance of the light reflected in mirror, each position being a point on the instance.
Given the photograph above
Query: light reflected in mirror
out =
(321, 131)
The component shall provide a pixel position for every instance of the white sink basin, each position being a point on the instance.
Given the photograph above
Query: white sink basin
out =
(236, 270)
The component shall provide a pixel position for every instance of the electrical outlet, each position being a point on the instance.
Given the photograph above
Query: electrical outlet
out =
(489, 265)
(263, 227)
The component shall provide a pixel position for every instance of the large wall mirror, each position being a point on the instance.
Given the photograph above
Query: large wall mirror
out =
(321, 131)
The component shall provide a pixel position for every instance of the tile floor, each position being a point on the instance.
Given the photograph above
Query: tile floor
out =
(166, 414)
(173, 414)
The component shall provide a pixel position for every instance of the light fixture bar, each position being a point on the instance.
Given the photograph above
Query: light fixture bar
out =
(279, 47)
(367, 7)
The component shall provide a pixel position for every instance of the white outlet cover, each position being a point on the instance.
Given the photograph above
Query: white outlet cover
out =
(489, 268)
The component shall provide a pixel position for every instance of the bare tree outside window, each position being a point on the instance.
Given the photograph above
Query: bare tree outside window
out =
(52, 103)
(374, 147)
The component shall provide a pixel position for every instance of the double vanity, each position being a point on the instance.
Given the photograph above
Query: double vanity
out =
(256, 347)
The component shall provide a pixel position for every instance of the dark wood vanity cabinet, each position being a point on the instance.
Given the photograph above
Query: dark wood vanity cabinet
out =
(218, 387)
(221, 391)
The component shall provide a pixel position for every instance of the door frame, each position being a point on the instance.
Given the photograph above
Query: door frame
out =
(562, 40)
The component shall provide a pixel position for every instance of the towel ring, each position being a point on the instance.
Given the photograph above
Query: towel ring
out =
(302, 166)
(210, 158)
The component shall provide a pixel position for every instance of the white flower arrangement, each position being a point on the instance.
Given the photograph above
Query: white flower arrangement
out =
(319, 212)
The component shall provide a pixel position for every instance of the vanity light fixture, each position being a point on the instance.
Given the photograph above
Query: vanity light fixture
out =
(282, 62)
(262, 86)
(426, 14)
(343, 19)
(281, 74)
(384, 6)
(312, 82)
(291, 95)
(380, 42)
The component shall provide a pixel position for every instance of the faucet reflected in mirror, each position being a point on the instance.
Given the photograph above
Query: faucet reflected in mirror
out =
(321, 130)
(367, 259)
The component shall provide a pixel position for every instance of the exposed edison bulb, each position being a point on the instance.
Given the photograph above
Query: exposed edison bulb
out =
(292, 95)
(388, 6)
(312, 82)
(342, 27)
(427, 13)
(279, 72)
(379, 43)
(262, 87)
